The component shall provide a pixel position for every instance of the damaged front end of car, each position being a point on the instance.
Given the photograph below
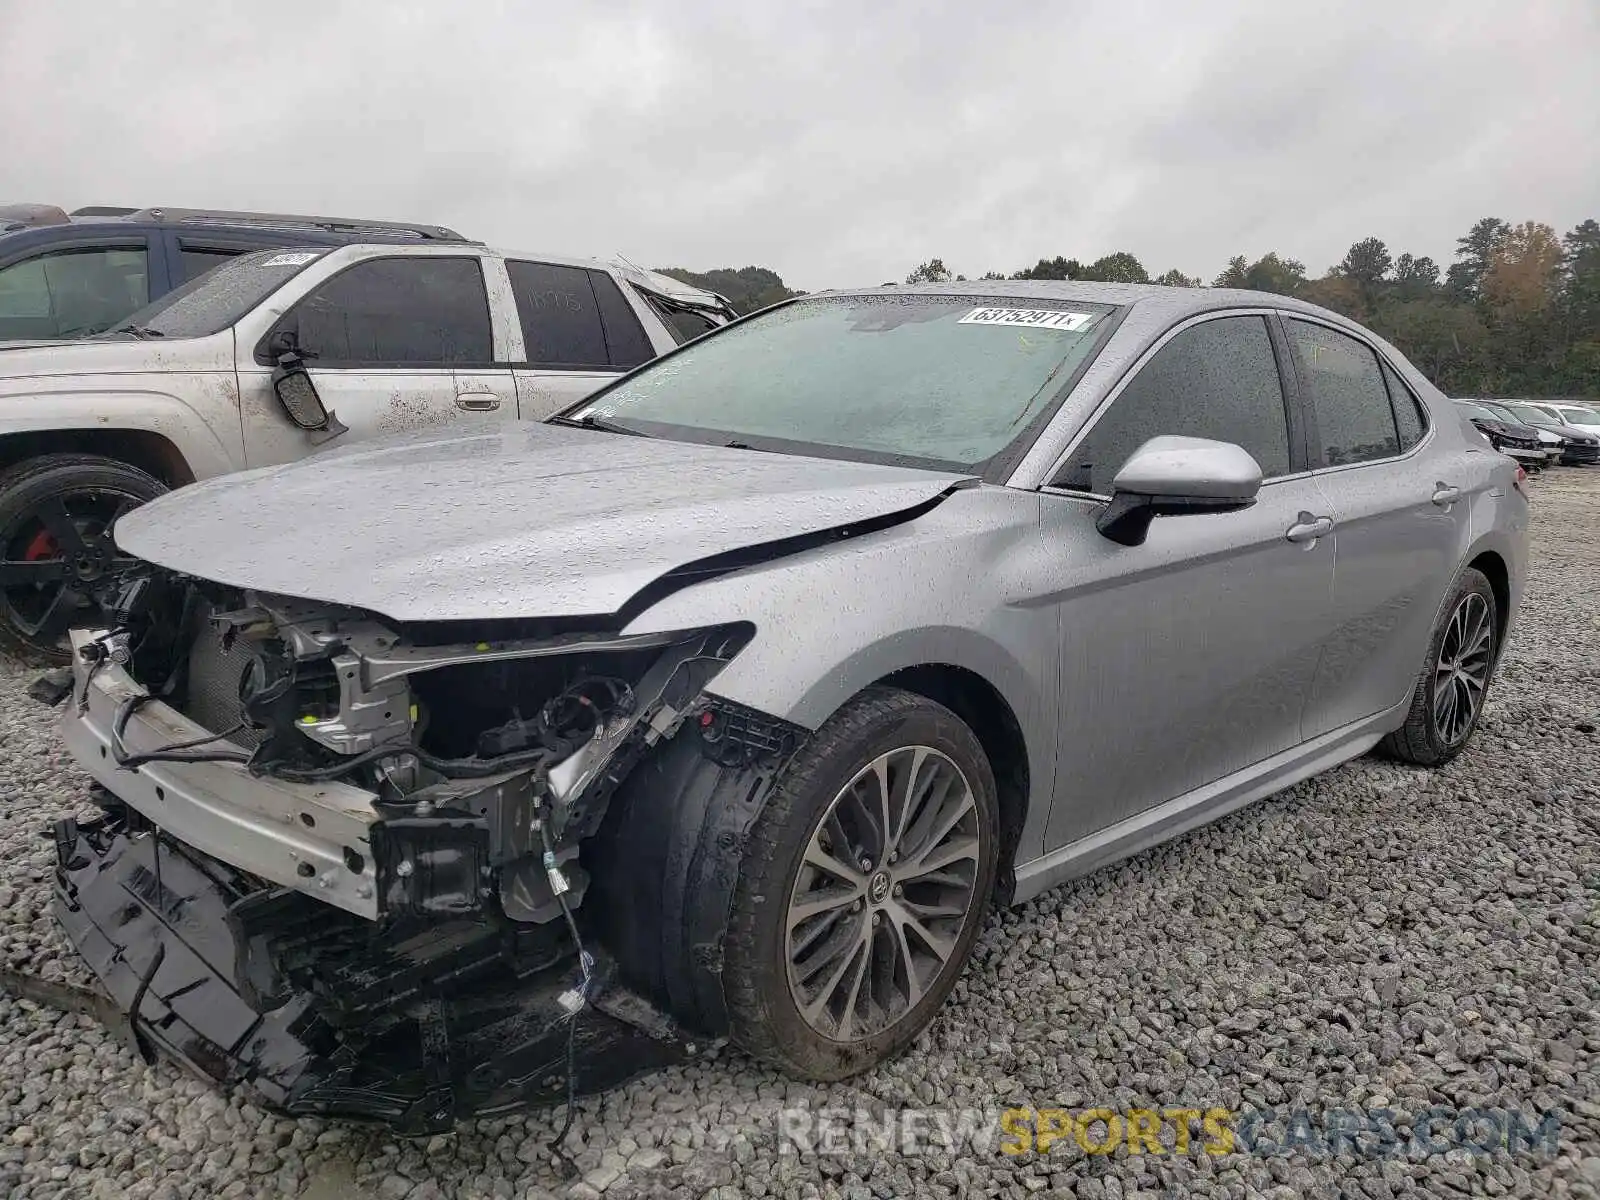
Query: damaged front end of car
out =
(342, 859)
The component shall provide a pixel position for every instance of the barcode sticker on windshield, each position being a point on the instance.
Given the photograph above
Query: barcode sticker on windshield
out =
(299, 259)
(1028, 318)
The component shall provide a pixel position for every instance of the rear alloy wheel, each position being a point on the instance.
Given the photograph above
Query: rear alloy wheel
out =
(879, 845)
(1449, 694)
(57, 513)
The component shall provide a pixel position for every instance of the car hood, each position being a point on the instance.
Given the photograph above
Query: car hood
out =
(523, 521)
(1571, 432)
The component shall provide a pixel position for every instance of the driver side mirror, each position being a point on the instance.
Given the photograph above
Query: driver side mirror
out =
(298, 396)
(1173, 476)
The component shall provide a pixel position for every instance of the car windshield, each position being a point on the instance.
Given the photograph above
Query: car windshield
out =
(211, 302)
(1579, 416)
(1529, 415)
(941, 380)
(1477, 410)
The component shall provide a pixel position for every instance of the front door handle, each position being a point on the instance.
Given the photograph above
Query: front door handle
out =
(1444, 494)
(477, 401)
(1309, 528)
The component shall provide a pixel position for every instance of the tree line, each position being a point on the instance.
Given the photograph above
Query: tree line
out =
(1516, 314)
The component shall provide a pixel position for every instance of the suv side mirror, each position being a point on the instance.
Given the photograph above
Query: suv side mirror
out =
(298, 396)
(1171, 476)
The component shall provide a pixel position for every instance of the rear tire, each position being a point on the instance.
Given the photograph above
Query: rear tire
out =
(1454, 682)
(893, 919)
(57, 512)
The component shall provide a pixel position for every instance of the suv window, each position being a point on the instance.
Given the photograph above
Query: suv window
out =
(1215, 380)
(684, 324)
(1347, 393)
(626, 344)
(197, 262)
(72, 292)
(575, 318)
(421, 311)
(1409, 417)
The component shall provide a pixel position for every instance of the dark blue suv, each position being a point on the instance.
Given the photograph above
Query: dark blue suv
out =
(70, 275)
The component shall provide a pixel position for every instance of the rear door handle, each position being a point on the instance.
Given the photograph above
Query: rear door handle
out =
(1309, 528)
(1444, 494)
(477, 401)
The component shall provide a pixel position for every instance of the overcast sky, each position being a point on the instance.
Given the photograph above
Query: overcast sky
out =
(839, 144)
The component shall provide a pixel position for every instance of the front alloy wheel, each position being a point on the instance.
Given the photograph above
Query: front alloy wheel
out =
(57, 553)
(889, 876)
(862, 887)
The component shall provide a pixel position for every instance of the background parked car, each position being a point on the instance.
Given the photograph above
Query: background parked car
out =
(70, 275)
(232, 370)
(1582, 445)
(1580, 415)
(1521, 442)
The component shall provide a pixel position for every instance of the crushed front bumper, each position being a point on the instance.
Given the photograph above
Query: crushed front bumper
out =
(202, 881)
(313, 838)
(158, 924)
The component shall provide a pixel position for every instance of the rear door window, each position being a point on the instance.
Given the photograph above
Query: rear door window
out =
(626, 344)
(574, 318)
(1217, 380)
(73, 292)
(1345, 385)
(418, 311)
(1409, 418)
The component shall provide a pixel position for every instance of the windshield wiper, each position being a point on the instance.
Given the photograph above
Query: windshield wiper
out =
(142, 332)
(594, 421)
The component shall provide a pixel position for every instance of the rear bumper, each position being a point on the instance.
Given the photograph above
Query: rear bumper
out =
(313, 838)
(160, 926)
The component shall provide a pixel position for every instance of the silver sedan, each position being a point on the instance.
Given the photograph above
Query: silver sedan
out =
(726, 702)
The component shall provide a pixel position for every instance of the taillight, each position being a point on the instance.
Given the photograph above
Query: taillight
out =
(1522, 478)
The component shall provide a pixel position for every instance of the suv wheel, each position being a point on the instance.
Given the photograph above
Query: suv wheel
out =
(1449, 695)
(56, 517)
(862, 888)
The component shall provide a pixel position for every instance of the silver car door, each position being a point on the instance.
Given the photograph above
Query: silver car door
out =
(1400, 507)
(578, 332)
(391, 343)
(1189, 657)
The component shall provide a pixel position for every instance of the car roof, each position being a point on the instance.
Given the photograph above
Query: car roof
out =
(43, 220)
(1152, 299)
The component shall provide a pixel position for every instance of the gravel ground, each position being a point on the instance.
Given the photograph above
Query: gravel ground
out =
(1376, 937)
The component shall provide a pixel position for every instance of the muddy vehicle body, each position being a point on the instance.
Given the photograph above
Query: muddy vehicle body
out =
(395, 336)
(797, 649)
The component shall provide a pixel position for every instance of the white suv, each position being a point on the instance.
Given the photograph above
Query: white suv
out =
(213, 378)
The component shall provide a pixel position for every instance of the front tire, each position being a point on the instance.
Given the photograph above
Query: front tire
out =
(1450, 691)
(862, 888)
(56, 517)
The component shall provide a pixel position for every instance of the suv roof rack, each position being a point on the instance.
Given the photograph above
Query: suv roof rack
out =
(291, 220)
(102, 210)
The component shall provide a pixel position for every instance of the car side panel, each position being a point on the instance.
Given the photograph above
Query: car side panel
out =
(1395, 555)
(1184, 659)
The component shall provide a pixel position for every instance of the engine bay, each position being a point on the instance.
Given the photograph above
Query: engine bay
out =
(489, 751)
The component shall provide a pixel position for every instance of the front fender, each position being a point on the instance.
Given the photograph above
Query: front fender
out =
(951, 587)
(203, 426)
